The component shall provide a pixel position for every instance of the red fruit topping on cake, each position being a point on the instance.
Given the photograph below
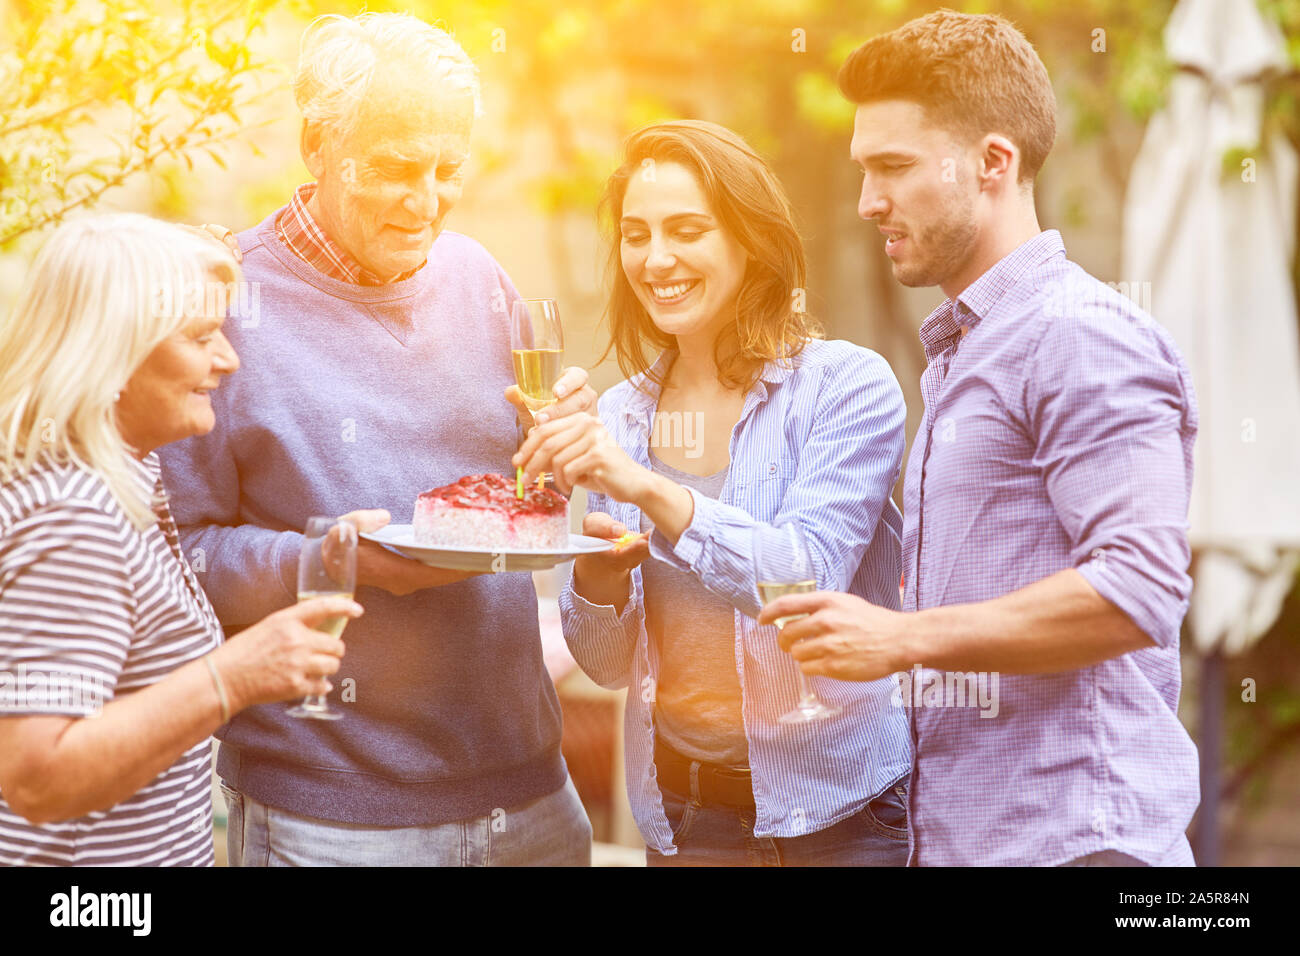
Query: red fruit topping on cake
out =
(483, 512)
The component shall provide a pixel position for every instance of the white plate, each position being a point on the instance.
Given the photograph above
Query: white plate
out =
(401, 537)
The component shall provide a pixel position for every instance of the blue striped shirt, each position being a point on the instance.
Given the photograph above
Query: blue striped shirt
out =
(819, 441)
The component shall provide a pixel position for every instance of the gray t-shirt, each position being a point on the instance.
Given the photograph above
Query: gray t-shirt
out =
(698, 698)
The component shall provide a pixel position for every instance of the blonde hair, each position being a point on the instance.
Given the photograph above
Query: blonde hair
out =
(338, 56)
(103, 293)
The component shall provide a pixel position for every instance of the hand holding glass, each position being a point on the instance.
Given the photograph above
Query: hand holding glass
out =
(327, 566)
(783, 565)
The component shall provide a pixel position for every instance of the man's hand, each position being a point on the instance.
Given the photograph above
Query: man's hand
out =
(573, 395)
(222, 234)
(378, 567)
(841, 636)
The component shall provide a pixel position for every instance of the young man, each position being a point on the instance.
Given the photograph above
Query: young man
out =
(1045, 500)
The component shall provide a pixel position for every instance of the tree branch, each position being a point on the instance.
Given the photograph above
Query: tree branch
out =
(46, 118)
(174, 144)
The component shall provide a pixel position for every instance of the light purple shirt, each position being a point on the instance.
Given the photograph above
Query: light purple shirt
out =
(1057, 434)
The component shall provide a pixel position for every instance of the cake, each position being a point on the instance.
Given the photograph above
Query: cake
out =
(482, 512)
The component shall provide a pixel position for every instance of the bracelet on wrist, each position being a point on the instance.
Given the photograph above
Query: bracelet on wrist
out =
(220, 688)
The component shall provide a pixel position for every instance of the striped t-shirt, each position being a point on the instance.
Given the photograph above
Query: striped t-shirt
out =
(92, 609)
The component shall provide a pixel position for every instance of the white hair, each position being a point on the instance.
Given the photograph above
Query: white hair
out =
(103, 293)
(338, 56)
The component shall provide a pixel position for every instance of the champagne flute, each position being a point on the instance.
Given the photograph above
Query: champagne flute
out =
(537, 352)
(783, 565)
(327, 567)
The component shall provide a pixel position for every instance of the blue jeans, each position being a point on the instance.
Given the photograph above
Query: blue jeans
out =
(723, 836)
(551, 831)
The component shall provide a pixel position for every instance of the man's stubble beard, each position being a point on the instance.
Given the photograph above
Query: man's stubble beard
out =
(947, 246)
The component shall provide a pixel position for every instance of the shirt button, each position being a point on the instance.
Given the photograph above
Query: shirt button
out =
(771, 468)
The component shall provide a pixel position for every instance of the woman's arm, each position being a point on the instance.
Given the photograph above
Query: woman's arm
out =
(67, 609)
(57, 767)
(605, 578)
(600, 607)
(847, 466)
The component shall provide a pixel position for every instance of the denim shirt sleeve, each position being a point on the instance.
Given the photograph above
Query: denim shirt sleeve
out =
(848, 462)
(601, 639)
(1108, 412)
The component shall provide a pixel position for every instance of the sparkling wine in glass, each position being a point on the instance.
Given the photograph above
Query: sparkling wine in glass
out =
(537, 351)
(783, 565)
(327, 567)
(537, 348)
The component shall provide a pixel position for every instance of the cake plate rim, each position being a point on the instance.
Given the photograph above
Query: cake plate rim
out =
(492, 561)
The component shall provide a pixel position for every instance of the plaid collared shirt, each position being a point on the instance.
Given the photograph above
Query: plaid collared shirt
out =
(304, 237)
(1057, 434)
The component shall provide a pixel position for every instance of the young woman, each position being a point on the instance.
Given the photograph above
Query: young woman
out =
(110, 354)
(746, 420)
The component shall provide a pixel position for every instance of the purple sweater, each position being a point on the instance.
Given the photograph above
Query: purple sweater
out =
(363, 397)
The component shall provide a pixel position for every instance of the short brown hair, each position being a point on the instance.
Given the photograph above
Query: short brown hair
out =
(972, 74)
(752, 205)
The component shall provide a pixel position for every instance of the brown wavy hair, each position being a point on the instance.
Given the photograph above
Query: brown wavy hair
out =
(752, 205)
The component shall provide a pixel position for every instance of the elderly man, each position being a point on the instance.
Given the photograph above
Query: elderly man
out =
(1045, 502)
(373, 369)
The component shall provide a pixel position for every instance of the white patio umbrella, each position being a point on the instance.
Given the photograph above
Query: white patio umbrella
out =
(1215, 245)
(1214, 239)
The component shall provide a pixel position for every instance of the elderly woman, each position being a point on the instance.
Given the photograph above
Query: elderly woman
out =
(111, 352)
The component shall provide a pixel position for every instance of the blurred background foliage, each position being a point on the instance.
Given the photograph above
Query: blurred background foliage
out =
(163, 80)
(92, 94)
(98, 96)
